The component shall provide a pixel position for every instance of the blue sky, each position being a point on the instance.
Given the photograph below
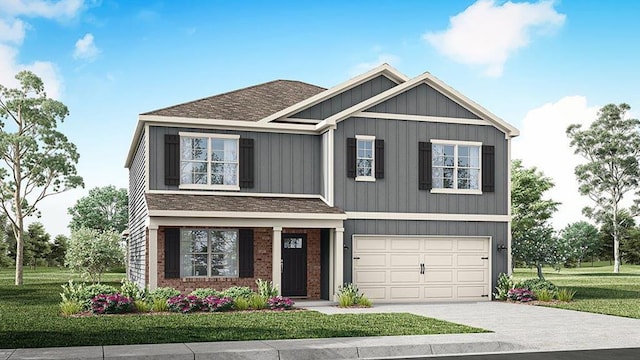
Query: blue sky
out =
(539, 65)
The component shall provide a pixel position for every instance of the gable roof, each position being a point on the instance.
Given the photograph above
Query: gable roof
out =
(248, 104)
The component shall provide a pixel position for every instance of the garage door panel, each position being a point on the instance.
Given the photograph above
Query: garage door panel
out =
(371, 244)
(472, 245)
(405, 244)
(438, 276)
(471, 291)
(405, 292)
(371, 277)
(472, 276)
(374, 293)
(371, 260)
(405, 260)
(434, 292)
(431, 260)
(474, 260)
(406, 276)
(438, 244)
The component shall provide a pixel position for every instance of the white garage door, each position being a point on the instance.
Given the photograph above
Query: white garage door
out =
(396, 268)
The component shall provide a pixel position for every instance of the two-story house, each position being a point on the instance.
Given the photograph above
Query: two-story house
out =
(398, 185)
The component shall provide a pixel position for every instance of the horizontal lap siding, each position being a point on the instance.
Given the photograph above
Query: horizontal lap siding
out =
(398, 191)
(497, 231)
(137, 216)
(284, 163)
(346, 99)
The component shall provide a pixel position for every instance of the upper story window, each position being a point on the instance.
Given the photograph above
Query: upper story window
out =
(456, 166)
(365, 158)
(209, 161)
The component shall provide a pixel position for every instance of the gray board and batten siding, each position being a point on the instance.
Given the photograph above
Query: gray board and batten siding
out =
(398, 191)
(496, 230)
(284, 163)
(423, 100)
(137, 216)
(346, 99)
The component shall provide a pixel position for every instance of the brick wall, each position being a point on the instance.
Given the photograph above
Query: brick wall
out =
(262, 257)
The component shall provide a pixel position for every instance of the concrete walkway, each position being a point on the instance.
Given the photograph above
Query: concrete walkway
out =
(515, 328)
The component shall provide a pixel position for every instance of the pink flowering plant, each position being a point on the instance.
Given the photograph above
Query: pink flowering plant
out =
(184, 303)
(521, 294)
(217, 304)
(280, 303)
(111, 304)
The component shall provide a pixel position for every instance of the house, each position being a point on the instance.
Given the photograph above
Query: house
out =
(399, 185)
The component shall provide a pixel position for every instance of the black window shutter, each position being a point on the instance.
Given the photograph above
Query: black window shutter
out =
(379, 159)
(245, 253)
(246, 163)
(171, 253)
(351, 158)
(424, 166)
(488, 168)
(171, 159)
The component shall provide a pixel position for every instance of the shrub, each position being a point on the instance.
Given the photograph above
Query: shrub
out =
(159, 305)
(111, 304)
(236, 292)
(544, 295)
(537, 285)
(217, 304)
(91, 291)
(266, 289)
(365, 301)
(204, 292)
(132, 290)
(280, 303)
(521, 294)
(163, 293)
(92, 252)
(258, 302)
(350, 295)
(505, 283)
(73, 292)
(184, 303)
(345, 300)
(70, 307)
(565, 294)
(241, 304)
(142, 306)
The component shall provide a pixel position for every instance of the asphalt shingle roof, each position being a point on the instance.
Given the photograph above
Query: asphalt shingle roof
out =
(188, 202)
(248, 104)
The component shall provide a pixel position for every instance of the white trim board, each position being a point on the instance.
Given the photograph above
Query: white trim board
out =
(238, 222)
(227, 193)
(362, 215)
(435, 119)
(245, 215)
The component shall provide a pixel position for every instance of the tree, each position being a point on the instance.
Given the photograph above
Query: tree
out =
(534, 242)
(611, 146)
(37, 246)
(58, 251)
(105, 208)
(39, 161)
(93, 252)
(583, 239)
(630, 247)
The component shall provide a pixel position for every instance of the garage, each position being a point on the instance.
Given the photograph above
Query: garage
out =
(422, 268)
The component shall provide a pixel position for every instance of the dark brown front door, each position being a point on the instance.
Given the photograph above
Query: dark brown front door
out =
(294, 265)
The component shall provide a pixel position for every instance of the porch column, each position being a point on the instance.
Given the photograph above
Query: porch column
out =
(276, 271)
(153, 257)
(338, 272)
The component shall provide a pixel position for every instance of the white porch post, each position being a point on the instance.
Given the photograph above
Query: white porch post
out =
(276, 270)
(338, 272)
(153, 257)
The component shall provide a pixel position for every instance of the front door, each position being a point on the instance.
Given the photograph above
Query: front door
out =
(294, 265)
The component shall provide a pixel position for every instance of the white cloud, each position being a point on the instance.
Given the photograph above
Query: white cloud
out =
(47, 71)
(12, 31)
(486, 33)
(368, 65)
(85, 48)
(545, 145)
(40, 8)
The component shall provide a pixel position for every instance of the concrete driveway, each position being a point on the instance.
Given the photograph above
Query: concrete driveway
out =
(532, 327)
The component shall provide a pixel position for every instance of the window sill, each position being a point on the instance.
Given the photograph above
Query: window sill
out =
(209, 278)
(366, 178)
(209, 187)
(456, 191)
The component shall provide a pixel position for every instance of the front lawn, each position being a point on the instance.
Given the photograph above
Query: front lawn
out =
(29, 317)
(598, 289)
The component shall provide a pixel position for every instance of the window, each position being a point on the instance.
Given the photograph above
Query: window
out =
(209, 253)
(365, 158)
(456, 166)
(209, 161)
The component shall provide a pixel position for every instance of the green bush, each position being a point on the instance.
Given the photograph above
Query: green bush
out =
(204, 292)
(350, 295)
(159, 305)
(257, 302)
(142, 306)
(131, 290)
(240, 304)
(345, 300)
(266, 289)
(236, 292)
(544, 295)
(537, 285)
(365, 301)
(565, 294)
(70, 307)
(83, 294)
(505, 283)
(163, 293)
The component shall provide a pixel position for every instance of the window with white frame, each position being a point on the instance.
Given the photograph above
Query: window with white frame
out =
(365, 157)
(456, 166)
(209, 253)
(209, 161)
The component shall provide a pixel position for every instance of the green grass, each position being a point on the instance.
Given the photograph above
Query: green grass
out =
(30, 317)
(598, 289)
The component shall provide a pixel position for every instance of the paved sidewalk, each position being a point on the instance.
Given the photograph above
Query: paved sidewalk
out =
(516, 328)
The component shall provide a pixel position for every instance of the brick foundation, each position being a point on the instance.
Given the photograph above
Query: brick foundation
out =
(262, 257)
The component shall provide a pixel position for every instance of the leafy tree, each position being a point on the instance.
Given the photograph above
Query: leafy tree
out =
(58, 251)
(625, 225)
(37, 246)
(611, 146)
(630, 247)
(92, 252)
(39, 161)
(105, 208)
(583, 240)
(534, 242)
